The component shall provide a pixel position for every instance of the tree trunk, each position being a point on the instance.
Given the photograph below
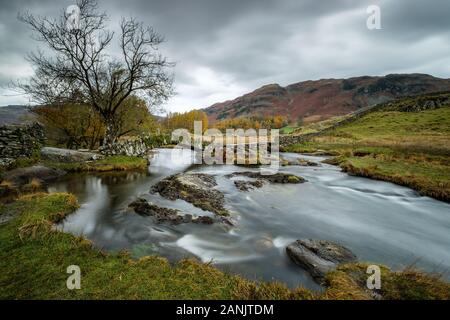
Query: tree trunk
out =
(110, 134)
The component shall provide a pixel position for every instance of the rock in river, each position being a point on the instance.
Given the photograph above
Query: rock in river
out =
(245, 185)
(260, 179)
(143, 208)
(318, 256)
(195, 188)
(299, 162)
(21, 176)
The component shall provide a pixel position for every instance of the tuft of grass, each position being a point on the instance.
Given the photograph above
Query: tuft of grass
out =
(8, 185)
(348, 281)
(343, 287)
(414, 285)
(8, 190)
(33, 186)
(247, 290)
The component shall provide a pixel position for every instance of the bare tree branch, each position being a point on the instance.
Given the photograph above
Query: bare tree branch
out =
(81, 71)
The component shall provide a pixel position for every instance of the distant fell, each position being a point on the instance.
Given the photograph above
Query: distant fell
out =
(318, 100)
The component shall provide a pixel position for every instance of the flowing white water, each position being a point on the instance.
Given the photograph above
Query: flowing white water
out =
(380, 222)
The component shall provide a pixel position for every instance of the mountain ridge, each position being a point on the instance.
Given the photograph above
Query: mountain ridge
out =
(314, 100)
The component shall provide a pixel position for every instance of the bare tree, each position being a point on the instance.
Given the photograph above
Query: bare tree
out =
(81, 70)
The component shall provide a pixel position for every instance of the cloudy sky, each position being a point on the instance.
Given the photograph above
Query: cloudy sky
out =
(227, 48)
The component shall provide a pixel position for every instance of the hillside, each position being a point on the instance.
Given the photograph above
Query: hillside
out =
(322, 99)
(404, 141)
(15, 114)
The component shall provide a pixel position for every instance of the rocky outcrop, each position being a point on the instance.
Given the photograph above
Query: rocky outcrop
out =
(195, 188)
(142, 207)
(260, 179)
(18, 141)
(24, 175)
(67, 155)
(318, 257)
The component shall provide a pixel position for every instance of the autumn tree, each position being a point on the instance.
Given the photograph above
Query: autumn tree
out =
(76, 126)
(81, 70)
(186, 120)
(71, 125)
(255, 122)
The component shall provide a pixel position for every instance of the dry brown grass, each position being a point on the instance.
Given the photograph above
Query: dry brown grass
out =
(248, 290)
(34, 185)
(412, 284)
(342, 287)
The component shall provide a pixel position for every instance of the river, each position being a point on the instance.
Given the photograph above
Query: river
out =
(380, 222)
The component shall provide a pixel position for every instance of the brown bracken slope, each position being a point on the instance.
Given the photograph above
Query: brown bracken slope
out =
(322, 99)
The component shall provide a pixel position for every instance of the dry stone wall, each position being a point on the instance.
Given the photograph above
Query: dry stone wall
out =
(18, 141)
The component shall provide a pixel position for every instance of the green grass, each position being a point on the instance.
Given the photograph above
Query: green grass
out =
(318, 126)
(113, 163)
(408, 128)
(287, 130)
(407, 148)
(429, 177)
(34, 258)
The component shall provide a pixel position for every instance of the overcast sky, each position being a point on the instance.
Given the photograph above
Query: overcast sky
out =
(225, 48)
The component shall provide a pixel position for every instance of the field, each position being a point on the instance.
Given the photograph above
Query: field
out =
(407, 148)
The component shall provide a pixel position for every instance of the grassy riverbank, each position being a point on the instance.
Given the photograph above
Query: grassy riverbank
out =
(112, 163)
(407, 148)
(22, 180)
(34, 257)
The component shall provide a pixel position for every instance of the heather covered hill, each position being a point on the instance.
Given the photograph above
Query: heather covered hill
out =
(322, 99)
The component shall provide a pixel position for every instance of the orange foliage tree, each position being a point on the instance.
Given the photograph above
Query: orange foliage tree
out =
(78, 126)
(268, 122)
(186, 120)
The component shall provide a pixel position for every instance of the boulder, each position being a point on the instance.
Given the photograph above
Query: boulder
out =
(195, 188)
(260, 179)
(22, 176)
(67, 155)
(203, 220)
(299, 162)
(245, 185)
(144, 208)
(318, 257)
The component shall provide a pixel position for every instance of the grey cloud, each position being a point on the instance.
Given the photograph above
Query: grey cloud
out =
(226, 48)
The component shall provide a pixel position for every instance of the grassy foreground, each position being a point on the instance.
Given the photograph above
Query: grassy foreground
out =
(407, 148)
(34, 257)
